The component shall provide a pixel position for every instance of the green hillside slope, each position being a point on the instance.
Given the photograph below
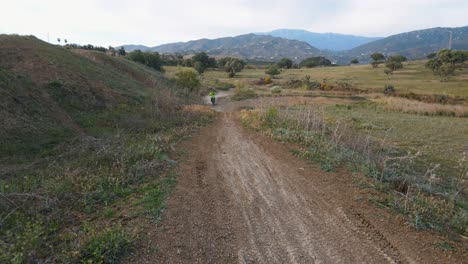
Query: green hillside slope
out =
(84, 142)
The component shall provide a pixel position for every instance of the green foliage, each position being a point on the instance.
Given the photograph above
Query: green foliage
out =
(106, 246)
(150, 59)
(431, 55)
(22, 238)
(231, 65)
(122, 51)
(188, 79)
(395, 62)
(201, 61)
(446, 62)
(270, 117)
(354, 61)
(315, 62)
(275, 90)
(389, 89)
(285, 63)
(273, 70)
(377, 58)
(223, 86)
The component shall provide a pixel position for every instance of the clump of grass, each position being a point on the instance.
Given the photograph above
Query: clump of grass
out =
(106, 246)
(243, 92)
(222, 86)
(421, 108)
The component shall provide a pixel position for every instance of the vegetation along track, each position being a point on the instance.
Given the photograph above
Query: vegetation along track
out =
(242, 198)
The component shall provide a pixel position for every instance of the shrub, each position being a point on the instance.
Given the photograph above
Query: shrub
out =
(188, 79)
(315, 62)
(275, 90)
(285, 63)
(273, 70)
(389, 90)
(250, 67)
(326, 86)
(267, 80)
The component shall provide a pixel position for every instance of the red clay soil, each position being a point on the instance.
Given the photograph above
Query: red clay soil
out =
(243, 198)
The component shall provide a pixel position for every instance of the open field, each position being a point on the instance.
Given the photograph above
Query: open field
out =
(440, 131)
(414, 77)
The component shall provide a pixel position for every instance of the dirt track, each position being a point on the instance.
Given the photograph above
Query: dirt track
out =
(241, 198)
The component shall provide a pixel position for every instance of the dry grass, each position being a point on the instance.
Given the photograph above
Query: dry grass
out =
(421, 108)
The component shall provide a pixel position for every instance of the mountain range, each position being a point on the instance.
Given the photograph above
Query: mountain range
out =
(323, 41)
(300, 44)
(415, 44)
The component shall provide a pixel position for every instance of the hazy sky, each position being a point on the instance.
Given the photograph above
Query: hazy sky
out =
(116, 22)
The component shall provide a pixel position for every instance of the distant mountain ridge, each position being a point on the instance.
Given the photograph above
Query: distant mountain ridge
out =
(415, 44)
(131, 47)
(323, 41)
(249, 46)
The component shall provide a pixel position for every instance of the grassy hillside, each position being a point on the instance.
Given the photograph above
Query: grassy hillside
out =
(84, 150)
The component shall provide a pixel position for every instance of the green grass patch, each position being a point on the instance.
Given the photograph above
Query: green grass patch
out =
(107, 246)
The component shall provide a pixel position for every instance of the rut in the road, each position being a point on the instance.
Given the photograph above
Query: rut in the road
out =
(287, 219)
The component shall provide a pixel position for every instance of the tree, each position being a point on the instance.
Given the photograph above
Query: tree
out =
(285, 63)
(273, 70)
(354, 61)
(377, 58)
(431, 55)
(122, 51)
(395, 62)
(231, 65)
(314, 62)
(388, 72)
(188, 79)
(201, 61)
(446, 62)
(150, 59)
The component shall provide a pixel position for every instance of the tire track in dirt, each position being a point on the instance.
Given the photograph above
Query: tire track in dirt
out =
(241, 199)
(283, 226)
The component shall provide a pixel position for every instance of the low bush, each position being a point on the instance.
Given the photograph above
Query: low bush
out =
(275, 90)
(223, 86)
(389, 90)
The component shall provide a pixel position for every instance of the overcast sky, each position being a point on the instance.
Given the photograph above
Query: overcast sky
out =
(117, 22)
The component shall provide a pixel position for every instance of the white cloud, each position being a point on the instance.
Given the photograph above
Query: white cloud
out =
(104, 22)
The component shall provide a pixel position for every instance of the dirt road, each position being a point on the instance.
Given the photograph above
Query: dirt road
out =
(241, 198)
